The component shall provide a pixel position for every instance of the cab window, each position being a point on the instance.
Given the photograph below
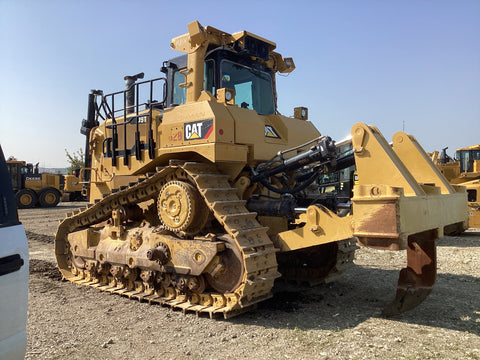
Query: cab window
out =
(253, 87)
(209, 76)
(472, 195)
(179, 93)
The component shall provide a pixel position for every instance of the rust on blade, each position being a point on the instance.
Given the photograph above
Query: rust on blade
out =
(416, 281)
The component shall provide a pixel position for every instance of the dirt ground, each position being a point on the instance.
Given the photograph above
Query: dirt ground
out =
(340, 320)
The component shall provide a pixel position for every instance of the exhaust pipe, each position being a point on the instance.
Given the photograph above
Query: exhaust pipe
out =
(130, 91)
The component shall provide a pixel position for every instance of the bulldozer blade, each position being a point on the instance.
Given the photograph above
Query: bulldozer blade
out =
(416, 281)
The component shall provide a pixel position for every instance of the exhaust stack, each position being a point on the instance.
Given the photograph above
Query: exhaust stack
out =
(130, 91)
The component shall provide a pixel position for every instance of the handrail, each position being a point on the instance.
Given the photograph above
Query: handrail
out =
(106, 110)
(110, 111)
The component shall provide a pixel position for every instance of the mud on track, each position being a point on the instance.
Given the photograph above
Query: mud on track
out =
(340, 320)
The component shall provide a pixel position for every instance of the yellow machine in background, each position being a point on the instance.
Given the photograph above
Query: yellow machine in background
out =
(465, 170)
(33, 188)
(202, 194)
(73, 188)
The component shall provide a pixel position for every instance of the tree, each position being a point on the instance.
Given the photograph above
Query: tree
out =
(75, 159)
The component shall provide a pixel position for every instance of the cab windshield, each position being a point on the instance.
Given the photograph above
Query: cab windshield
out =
(466, 158)
(253, 88)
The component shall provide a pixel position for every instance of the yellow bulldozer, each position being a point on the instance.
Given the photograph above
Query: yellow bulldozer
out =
(201, 194)
(463, 170)
(73, 188)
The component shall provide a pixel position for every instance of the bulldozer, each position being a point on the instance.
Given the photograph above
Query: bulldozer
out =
(202, 195)
(73, 188)
(33, 188)
(464, 170)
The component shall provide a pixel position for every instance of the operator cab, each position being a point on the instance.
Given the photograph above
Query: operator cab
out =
(252, 82)
(238, 69)
(18, 171)
(467, 159)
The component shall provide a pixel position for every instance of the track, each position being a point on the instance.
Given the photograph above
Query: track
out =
(255, 247)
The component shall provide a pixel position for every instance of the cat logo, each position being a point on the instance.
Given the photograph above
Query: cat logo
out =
(270, 132)
(198, 129)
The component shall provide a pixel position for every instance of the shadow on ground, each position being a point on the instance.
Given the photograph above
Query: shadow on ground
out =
(362, 294)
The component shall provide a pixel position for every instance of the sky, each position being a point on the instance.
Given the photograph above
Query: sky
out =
(411, 64)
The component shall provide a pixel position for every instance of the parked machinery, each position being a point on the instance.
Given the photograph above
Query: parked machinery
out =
(203, 194)
(465, 170)
(32, 187)
(73, 189)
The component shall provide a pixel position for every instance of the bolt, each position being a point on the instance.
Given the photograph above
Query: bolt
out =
(192, 284)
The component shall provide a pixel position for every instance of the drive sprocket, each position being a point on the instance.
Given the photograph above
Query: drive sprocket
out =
(181, 208)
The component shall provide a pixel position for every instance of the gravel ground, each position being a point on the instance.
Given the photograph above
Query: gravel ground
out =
(340, 320)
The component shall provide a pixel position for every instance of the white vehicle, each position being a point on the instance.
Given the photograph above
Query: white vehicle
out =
(13, 273)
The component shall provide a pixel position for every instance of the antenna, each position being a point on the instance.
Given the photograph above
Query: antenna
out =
(403, 125)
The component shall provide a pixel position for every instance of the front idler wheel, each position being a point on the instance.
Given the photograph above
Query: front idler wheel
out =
(226, 274)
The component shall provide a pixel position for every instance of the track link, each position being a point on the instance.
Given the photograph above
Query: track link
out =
(258, 252)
